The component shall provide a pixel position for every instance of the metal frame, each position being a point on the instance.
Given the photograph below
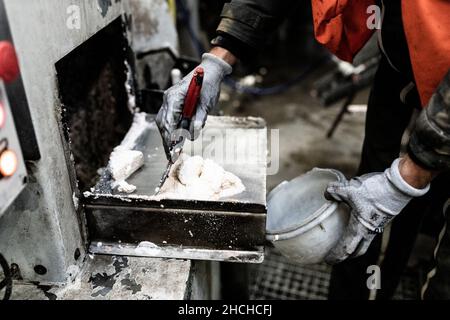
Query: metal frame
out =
(126, 249)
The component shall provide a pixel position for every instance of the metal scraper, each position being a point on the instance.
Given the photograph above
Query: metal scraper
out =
(189, 108)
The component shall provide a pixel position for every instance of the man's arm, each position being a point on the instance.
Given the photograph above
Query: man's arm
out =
(245, 24)
(376, 198)
(242, 30)
(429, 146)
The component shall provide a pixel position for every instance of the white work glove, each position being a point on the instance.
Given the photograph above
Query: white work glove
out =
(375, 199)
(170, 113)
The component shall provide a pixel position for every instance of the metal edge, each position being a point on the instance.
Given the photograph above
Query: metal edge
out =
(108, 200)
(153, 251)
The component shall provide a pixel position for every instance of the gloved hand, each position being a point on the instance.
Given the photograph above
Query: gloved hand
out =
(169, 115)
(375, 199)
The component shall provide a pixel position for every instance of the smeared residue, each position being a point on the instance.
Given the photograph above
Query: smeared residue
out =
(129, 89)
(123, 186)
(137, 131)
(75, 201)
(144, 246)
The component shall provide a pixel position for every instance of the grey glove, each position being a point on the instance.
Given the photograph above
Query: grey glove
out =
(169, 115)
(375, 199)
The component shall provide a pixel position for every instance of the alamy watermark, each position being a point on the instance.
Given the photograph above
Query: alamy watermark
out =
(374, 20)
(374, 280)
(252, 148)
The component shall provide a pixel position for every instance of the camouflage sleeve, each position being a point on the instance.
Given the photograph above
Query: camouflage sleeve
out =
(249, 21)
(430, 141)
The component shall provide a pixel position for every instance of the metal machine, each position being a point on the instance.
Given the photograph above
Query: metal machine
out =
(12, 167)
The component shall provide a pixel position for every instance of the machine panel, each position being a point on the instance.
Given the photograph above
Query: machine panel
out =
(12, 167)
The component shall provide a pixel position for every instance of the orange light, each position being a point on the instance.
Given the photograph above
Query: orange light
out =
(8, 163)
(2, 115)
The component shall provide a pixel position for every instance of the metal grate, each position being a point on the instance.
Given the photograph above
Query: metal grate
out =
(278, 279)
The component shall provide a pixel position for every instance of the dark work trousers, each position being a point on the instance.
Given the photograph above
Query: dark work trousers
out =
(386, 121)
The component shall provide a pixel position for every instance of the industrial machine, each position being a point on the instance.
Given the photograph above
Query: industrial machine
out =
(85, 74)
(12, 167)
(13, 174)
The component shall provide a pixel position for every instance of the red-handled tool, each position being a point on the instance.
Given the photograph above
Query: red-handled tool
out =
(192, 98)
(189, 108)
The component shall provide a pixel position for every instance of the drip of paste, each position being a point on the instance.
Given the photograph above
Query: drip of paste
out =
(196, 178)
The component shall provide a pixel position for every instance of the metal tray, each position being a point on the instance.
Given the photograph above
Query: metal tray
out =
(229, 229)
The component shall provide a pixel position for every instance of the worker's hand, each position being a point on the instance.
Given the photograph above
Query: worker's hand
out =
(375, 199)
(170, 113)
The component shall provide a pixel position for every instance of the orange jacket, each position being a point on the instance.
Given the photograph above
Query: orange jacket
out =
(341, 25)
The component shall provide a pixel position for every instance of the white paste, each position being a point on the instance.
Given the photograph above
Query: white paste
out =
(190, 170)
(138, 128)
(123, 163)
(198, 179)
(123, 186)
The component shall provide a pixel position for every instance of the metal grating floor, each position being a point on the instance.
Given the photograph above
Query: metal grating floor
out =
(278, 279)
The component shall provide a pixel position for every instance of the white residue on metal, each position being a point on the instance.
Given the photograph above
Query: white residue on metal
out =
(195, 178)
(138, 128)
(124, 161)
(191, 178)
(72, 272)
(145, 246)
(123, 186)
(87, 194)
(75, 201)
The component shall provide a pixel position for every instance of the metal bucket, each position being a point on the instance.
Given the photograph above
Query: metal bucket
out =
(301, 223)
